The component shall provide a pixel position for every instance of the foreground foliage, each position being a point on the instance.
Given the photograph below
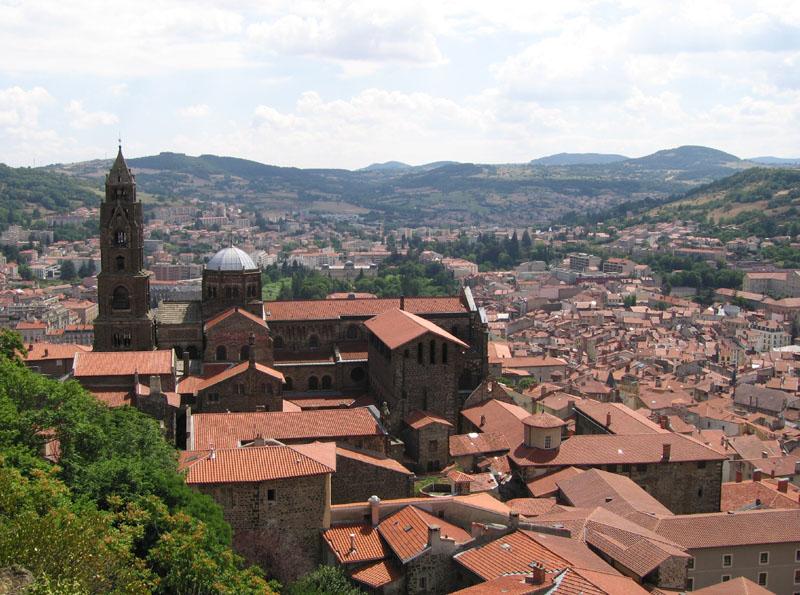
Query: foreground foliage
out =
(114, 515)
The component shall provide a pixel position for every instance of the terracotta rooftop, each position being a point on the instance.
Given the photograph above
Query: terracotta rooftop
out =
(367, 541)
(359, 308)
(251, 464)
(230, 312)
(532, 507)
(227, 430)
(48, 351)
(609, 449)
(720, 529)
(543, 420)
(477, 443)
(498, 417)
(406, 531)
(513, 584)
(419, 419)
(624, 420)
(372, 458)
(581, 581)
(547, 485)
(127, 363)
(746, 495)
(377, 574)
(235, 371)
(736, 586)
(513, 553)
(397, 327)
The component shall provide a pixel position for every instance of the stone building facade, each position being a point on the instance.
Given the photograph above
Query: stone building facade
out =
(427, 439)
(249, 386)
(361, 474)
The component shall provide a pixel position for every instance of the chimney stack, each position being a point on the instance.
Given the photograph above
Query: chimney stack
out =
(663, 422)
(537, 575)
(665, 454)
(402, 302)
(352, 542)
(483, 420)
(756, 474)
(658, 382)
(513, 519)
(375, 510)
(783, 485)
(434, 535)
(608, 419)
(155, 385)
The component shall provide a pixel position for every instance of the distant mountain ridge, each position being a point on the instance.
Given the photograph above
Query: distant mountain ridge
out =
(446, 192)
(776, 160)
(579, 159)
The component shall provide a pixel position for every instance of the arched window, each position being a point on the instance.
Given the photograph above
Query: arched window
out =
(222, 353)
(326, 382)
(352, 332)
(289, 383)
(444, 353)
(244, 353)
(433, 351)
(277, 342)
(120, 298)
(313, 342)
(313, 383)
(121, 238)
(419, 353)
(357, 374)
(120, 263)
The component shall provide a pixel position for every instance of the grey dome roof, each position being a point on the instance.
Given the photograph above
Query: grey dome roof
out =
(231, 259)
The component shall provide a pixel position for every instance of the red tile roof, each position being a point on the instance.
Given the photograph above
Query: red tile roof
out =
(477, 443)
(722, 529)
(359, 308)
(612, 491)
(543, 420)
(744, 494)
(235, 371)
(419, 419)
(230, 312)
(367, 540)
(581, 581)
(736, 586)
(226, 430)
(624, 420)
(499, 417)
(397, 327)
(377, 574)
(513, 584)
(48, 351)
(113, 398)
(406, 532)
(547, 485)
(374, 459)
(610, 449)
(513, 553)
(123, 363)
(251, 464)
(532, 507)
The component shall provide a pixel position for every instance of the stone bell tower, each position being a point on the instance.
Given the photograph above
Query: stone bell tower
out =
(124, 321)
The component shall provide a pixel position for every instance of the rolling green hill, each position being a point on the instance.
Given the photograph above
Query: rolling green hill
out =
(446, 192)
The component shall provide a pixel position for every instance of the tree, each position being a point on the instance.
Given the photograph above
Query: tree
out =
(629, 300)
(11, 346)
(325, 580)
(68, 271)
(25, 272)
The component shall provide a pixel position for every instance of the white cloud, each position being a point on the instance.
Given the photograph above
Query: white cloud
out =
(119, 90)
(80, 118)
(199, 110)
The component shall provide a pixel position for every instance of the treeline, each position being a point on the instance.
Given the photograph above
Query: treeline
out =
(23, 187)
(398, 275)
(491, 253)
(113, 514)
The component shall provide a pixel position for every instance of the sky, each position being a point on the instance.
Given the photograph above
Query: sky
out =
(346, 84)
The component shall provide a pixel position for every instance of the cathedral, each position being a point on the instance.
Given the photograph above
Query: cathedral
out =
(231, 351)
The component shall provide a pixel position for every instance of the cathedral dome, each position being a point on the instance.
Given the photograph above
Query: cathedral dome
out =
(231, 259)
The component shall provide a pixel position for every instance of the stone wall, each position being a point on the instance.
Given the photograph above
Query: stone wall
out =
(234, 334)
(281, 534)
(356, 481)
(429, 446)
(251, 390)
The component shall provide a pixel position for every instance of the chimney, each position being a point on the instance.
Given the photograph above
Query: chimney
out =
(608, 419)
(483, 420)
(783, 485)
(663, 422)
(764, 454)
(374, 510)
(352, 542)
(155, 385)
(738, 476)
(258, 440)
(402, 302)
(658, 382)
(666, 452)
(513, 519)
(212, 452)
(46, 352)
(797, 467)
(537, 575)
(756, 474)
(434, 535)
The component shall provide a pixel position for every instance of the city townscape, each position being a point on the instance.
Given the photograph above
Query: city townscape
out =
(332, 298)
